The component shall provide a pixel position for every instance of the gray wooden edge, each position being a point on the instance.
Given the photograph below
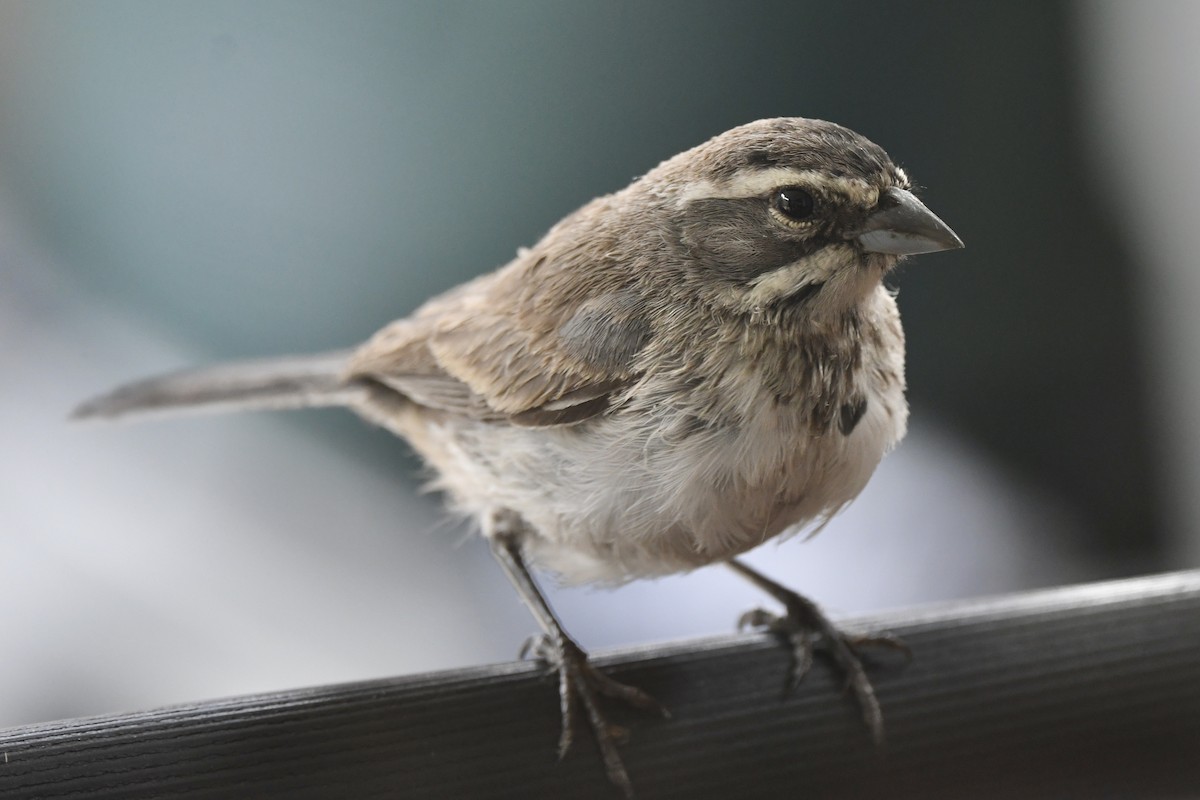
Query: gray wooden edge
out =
(1084, 691)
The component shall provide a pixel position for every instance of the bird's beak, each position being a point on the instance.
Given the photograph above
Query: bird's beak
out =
(901, 225)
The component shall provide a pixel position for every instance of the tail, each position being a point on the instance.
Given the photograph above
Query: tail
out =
(281, 383)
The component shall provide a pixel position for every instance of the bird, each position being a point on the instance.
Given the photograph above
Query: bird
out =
(674, 374)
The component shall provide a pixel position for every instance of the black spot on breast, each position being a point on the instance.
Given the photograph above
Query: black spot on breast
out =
(684, 427)
(850, 414)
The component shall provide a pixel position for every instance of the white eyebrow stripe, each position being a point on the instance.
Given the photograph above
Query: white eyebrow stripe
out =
(755, 182)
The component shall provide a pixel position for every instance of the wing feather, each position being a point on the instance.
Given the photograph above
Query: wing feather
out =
(496, 349)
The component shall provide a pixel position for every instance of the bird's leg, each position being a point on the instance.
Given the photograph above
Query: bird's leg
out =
(579, 683)
(805, 621)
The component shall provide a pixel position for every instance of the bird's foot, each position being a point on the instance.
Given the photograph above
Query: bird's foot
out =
(580, 685)
(805, 626)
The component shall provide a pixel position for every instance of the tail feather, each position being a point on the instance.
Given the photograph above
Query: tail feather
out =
(281, 383)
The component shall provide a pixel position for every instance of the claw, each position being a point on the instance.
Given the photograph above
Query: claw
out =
(529, 647)
(755, 618)
(804, 621)
(581, 684)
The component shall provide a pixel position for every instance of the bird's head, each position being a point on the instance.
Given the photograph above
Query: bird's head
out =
(791, 210)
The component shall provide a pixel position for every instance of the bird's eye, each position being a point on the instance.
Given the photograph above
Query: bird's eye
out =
(794, 203)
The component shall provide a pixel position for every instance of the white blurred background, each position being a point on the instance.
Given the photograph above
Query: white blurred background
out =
(183, 183)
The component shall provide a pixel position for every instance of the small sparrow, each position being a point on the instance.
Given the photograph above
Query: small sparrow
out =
(676, 373)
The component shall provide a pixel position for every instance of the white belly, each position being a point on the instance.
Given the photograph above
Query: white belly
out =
(642, 492)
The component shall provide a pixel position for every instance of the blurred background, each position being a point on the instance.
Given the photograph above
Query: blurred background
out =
(189, 182)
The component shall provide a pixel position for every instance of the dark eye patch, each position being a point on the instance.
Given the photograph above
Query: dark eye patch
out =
(737, 239)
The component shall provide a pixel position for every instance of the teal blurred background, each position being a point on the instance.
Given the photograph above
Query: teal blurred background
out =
(188, 182)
